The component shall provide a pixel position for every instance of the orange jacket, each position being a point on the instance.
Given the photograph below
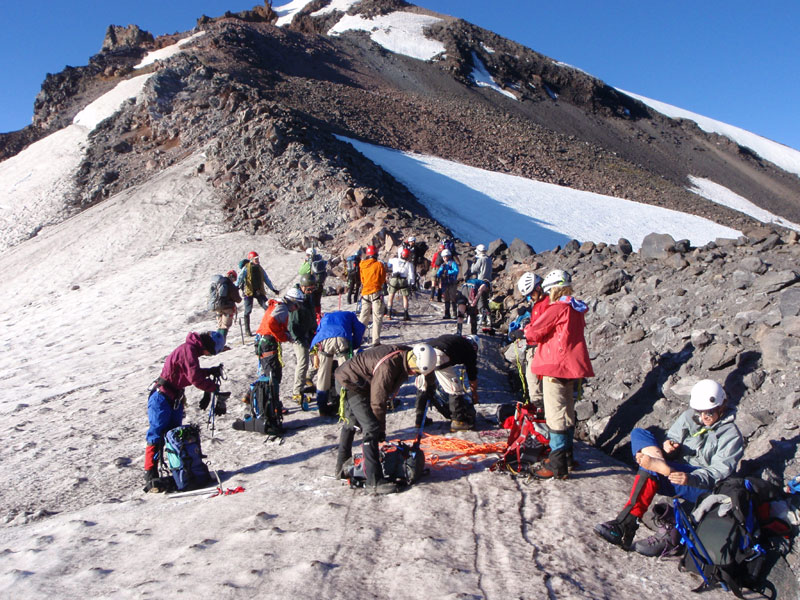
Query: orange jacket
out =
(373, 276)
(275, 321)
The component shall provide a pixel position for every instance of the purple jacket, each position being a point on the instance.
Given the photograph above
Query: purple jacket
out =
(182, 367)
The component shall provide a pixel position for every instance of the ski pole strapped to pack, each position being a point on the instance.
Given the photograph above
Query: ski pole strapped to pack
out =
(184, 457)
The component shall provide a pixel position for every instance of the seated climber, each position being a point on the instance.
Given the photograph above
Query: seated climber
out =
(701, 449)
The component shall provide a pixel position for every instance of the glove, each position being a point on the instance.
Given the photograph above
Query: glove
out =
(516, 334)
(220, 408)
(216, 372)
(205, 401)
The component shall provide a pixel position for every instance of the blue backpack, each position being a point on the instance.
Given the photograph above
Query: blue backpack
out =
(185, 458)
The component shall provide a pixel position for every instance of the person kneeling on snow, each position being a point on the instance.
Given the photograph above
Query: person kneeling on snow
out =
(701, 449)
(371, 379)
(165, 403)
(451, 350)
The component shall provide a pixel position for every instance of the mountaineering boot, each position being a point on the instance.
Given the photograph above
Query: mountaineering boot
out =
(456, 425)
(555, 467)
(446, 309)
(323, 407)
(666, 541)
(459, 327)
(405, 316)
(619, 532)
(391, 313)
(247, 332)
(382, 488)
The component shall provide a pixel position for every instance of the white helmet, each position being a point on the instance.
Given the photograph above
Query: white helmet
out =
(480, 249)
(707, 394)
(475, 341)
(555, 278)
(411, 239)
(528, 282)
(294, 295)
(425, 356)
(309, 252)
(446, 253)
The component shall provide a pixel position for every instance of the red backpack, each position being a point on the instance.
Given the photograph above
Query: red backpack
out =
(527, 441)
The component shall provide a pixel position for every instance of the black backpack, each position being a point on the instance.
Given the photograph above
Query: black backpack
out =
(400, 462)
(732, 549)
(267, 409)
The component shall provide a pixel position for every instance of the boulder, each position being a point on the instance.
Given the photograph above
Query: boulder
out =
(789, 302)
(496, 247)
(718, 356)
(624, 246)
(519, 251)
(657, 246)
(753, 264)
(775, 281)
(613, 282)
(775, 347)
(636, 334)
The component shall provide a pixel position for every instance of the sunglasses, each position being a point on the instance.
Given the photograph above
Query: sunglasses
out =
(707, 413)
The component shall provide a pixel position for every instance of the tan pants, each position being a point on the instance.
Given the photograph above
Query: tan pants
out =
(225, 318)
(372, 308)
(301, 368)
(559, 403)
(533, 382)
(327, 350)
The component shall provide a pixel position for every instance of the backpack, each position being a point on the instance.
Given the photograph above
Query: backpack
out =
(400, 463)
(318, 265)
(528, 441)
(352, 264)
(219, 294)
(267, 409)
(450, 245)
(731, 549)
(185, 457)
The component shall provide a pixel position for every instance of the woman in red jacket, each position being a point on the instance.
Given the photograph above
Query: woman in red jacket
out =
(561, 361)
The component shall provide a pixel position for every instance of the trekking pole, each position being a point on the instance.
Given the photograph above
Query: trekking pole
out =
(241, 327)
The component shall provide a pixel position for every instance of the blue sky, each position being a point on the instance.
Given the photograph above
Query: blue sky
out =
(735, 60)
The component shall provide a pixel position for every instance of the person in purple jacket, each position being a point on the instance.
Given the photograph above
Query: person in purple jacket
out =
(165, 403)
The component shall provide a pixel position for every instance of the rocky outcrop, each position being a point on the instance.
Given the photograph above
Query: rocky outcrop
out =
(125, 37)
(654, 330)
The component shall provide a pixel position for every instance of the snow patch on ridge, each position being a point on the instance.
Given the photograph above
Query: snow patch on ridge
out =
(784, 157)
(722, 195)
(482, 205)
(482, 78)
(398, 32)
(340, 5)
(167, 52)
(36, 184)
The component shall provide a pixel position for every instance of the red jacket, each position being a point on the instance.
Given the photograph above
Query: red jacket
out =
(562, 348)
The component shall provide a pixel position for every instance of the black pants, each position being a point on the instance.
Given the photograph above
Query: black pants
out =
(458, 407)
(358, 412)
(353, 287)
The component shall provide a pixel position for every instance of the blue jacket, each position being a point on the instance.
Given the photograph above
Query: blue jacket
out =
(448, 272)
(340, 323)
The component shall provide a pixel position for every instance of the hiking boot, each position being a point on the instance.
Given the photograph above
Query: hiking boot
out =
(298, 399)
(151, 474)
(572, 464)
(666, 540)
(456, 425)
(619, 533)
(405, 316)
(382, 488)
(546, 473)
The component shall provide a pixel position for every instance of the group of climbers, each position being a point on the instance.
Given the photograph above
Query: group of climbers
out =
(699, 450)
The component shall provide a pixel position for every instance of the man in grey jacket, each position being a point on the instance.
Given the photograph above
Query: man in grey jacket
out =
(482, 269)
(702, 448)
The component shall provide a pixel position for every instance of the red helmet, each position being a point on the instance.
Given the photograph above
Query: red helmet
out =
(253, 254)
(371, 251)
(405, 253)
(231, 274)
